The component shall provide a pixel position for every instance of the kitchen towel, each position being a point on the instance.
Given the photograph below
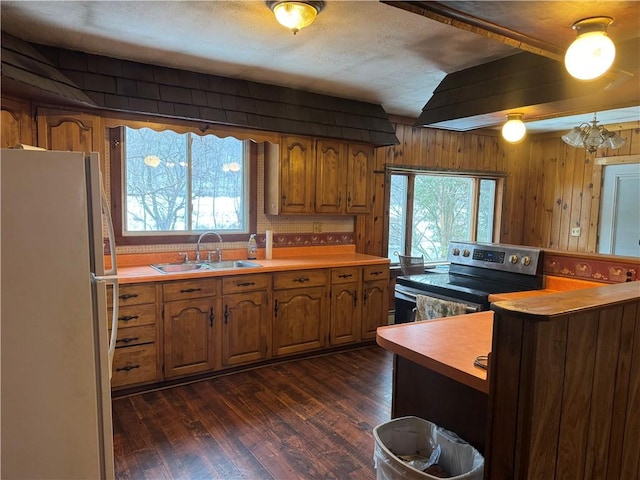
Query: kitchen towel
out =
(428, 308)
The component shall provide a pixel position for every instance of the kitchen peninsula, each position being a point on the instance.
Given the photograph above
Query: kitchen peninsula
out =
(563, 381)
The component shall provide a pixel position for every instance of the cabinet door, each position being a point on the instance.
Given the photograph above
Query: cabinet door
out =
(15, 123)
(69, 131)
(375, 306)
(296, 174)
(189, 334)
(299, 320)
(244, 328)
(358, 179)
(331, 163)
(345, 314)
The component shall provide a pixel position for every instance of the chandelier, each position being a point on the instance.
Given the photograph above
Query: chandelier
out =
(593, 136)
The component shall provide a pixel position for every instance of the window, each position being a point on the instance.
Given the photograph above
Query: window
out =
(174, 185)
(428, 210)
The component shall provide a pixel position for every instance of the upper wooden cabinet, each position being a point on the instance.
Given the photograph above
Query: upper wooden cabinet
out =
(309, 176)
(16, 123)
(70, 132)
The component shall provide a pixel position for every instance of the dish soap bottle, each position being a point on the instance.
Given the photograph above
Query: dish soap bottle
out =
(252, 247)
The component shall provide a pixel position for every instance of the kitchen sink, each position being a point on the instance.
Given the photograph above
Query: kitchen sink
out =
(202, 266)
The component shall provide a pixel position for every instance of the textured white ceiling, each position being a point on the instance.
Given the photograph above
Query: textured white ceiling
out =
(365, 50)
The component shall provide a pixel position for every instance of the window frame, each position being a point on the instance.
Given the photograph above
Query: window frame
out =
(411, 173)
(116, 155)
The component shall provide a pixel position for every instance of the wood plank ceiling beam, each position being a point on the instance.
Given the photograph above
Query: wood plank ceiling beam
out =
(464, 21)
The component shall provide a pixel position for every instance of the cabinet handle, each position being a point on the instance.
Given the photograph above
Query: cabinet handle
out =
(127, 296)
(355, 298)
(127, 318)
(376, 273)
(245, 284)
(364, 297)
(127, 368)
(340, 199)
(212, 316)
(345, 275)
(349, 198)
(128, 339)
(190, 290)
(275, 309)
(226, 314)
(301, 279)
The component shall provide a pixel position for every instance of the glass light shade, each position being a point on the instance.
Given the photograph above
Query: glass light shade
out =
(514, 129)
(590, 55)
(295, 15)
(152, 160)
(574, 137)
(613, 140)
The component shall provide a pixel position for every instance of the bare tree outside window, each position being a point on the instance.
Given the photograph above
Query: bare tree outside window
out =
(183, 182)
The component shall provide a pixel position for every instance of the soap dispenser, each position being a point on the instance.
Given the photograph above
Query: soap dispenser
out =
(252, 247)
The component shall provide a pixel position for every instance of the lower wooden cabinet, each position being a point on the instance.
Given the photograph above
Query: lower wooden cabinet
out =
(299, 311)
(136, 358)
(375, 299)
(191, 327)
(245, 319)
(345, 305)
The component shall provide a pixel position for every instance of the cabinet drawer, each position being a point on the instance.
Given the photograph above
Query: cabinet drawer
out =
(135, 336)
(244, 283)
(189, 289)
(375, 272)
(134, 316)
(136, 364)
(299, 279)
(345, 275)
(133, 294)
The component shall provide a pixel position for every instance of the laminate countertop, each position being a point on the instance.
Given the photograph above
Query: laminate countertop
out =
(446, 345)
(142, 272)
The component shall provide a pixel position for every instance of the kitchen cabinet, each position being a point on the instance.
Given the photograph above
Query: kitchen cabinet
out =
(191, 325)
(345, 305)
(375, 299)
(15, 124)
(136, 359)
(306, 176)
(299, 311)
(289, 172)
(245, 319)
(71, 131)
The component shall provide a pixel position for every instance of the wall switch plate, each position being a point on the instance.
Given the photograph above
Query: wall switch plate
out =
(317, 227)
(575, 231)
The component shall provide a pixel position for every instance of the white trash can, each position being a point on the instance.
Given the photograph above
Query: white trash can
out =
(415, 436)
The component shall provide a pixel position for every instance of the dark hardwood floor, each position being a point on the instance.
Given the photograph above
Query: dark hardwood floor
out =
(303, 419)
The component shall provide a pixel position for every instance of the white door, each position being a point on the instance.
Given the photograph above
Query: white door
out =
(620, 210)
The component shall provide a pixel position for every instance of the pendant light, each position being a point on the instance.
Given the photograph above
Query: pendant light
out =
(592, 136)
(295, 15)
(592, 53)
(514, 129)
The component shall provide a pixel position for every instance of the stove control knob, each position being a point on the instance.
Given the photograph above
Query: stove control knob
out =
(513, 259)
(526, 261)
(466, 253)
(456, 252)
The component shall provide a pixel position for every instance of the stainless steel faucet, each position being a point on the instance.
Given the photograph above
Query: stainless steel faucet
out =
(218, 250)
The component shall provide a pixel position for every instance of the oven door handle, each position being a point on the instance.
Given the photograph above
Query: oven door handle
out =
(468, 308)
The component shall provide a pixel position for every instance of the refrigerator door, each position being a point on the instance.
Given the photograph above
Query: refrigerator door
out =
(55, 403)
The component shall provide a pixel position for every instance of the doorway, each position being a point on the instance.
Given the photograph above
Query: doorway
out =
(620, 210)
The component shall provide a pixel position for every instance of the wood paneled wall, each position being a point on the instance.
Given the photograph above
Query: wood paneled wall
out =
(550, 187)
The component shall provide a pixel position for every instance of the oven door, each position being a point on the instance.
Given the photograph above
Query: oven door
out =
(405, 303)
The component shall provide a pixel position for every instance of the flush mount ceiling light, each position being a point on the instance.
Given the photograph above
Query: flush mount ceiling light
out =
(593, 136)
(514, 129)
(295, 15)
(592, 53)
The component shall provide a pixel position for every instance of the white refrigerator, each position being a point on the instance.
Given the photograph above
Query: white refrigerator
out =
(55, 411)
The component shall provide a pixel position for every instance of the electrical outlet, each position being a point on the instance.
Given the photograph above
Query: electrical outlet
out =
(575, 231)
(317, 227)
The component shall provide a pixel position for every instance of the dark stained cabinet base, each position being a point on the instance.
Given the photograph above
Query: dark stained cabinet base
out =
(452, 405)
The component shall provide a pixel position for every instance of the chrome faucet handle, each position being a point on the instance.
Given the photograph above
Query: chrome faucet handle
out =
(185, 256)
(219, 250)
